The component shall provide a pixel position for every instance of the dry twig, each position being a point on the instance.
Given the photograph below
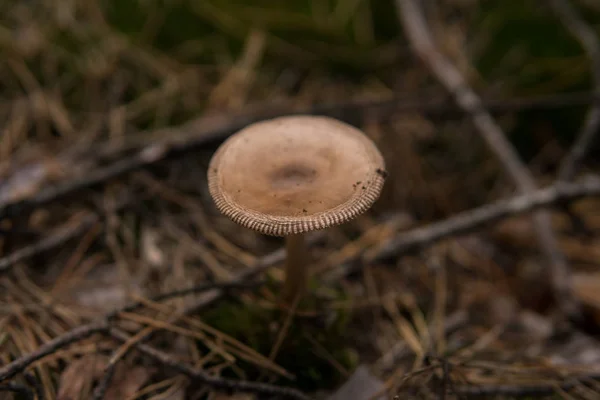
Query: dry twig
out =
(74, 335)
(51, 241)
(57, 238)
(420, 38)
(469, 220)
(102, 387)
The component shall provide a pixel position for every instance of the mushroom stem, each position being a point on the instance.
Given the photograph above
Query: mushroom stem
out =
(296, 276)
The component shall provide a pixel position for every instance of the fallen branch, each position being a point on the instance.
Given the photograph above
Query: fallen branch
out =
(418, 34)
(51, 241)
(75, 335)
(478, 217)
(146, 156)
(57, 238)
(148, 148)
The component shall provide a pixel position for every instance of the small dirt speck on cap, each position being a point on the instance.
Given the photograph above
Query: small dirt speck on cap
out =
(384, 174)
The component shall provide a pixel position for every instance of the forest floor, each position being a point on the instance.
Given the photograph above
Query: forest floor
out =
(119, 279)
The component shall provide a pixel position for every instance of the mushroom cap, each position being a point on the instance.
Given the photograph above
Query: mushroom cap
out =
(295, 174)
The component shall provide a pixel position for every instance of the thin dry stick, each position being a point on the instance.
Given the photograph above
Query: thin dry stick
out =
(146, 156)
(57, 238)
(287, 322)
(588, 38)
(114, 360)
(478, 217)
(75, 335)
(100, 390)
(51, 241)
(420, 38)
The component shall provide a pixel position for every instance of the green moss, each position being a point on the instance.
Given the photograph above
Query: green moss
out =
(301, 352)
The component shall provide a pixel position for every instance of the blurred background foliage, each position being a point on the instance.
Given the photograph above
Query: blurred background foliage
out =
(516, 47)
(529, 53)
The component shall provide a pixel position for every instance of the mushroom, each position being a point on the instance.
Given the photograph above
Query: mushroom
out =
(291, 175)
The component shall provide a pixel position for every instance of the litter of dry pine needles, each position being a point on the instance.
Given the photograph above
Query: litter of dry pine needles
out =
(120, 280)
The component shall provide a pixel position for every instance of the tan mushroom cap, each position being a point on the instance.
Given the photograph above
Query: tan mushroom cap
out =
(296, 174)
